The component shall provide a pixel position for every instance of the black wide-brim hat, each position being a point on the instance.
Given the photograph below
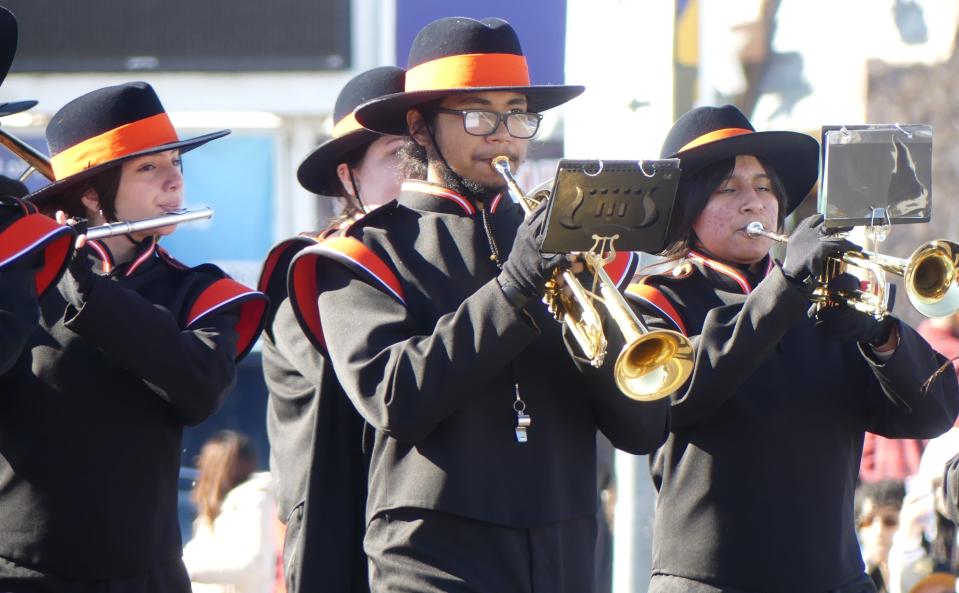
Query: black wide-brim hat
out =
(458, 55)
(315, 171)
(706, 135)
(9, 37)
(104, 128)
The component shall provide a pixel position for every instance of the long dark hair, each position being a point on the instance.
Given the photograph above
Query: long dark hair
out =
(226, 460)
(105, 184)
(692, 196)
(350, 207)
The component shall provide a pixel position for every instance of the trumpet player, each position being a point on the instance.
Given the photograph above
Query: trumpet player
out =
(130, 348)
(757, 476)
(483, 461)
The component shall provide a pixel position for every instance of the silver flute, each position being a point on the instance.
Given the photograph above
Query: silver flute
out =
(126, 227)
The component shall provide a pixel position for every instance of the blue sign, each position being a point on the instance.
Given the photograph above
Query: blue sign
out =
(234, 176)
(542, 33)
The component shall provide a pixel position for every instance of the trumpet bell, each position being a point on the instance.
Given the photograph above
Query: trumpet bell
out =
(931, 278)
(654, 365)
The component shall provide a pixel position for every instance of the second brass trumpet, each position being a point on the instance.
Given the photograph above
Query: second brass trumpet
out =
(653, 363)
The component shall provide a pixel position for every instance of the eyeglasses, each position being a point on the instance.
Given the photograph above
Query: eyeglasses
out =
(478, 122)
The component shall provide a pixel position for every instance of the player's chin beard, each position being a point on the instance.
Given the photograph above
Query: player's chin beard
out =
(469, 188)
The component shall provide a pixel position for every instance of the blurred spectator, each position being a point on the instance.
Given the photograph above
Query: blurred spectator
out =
(233, 547)
(925, 542)
(898, 459)
(877, 517)
(889, 459)
(942, 333)
(937, 582)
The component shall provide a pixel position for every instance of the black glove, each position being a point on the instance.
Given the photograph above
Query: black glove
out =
(78, 282)
(842, 323)
(526, 270)
(808, 246)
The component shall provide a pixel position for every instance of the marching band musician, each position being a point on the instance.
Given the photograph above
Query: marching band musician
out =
(316, 456)
(756, 479)
(34, 250)
(131, 347)
(483, 459)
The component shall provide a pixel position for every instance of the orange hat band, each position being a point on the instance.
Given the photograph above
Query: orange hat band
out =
(716, 135)
(468, 71)
(143, 134)
(346, 125)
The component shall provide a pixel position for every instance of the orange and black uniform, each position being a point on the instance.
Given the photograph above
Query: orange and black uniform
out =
(92, 414)
(317, 458)
(34, 250)
(431, 352)
(756, 479)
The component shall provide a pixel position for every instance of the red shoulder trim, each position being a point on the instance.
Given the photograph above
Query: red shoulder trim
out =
(36, 231)
(622, 268)
(303, 289)
(362, 259)
(227, 292)
(280, 251)
(657, 300)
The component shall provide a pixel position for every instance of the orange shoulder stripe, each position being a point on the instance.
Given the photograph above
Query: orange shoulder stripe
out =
(655, 298)
(36, 231)
(621, 269)
(225, 292)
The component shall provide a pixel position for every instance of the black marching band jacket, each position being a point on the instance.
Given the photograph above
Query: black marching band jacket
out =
(772, 413)
(92, 412)
(431, 353)
(34, 250)
(317, 456)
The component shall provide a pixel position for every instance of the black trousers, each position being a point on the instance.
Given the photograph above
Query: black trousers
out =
(671, 584)
(422, 551)
(167, 578)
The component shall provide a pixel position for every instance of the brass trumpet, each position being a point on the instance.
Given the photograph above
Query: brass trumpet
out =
(126, 227)
(36, 160)
(652, 364)
(930, 275)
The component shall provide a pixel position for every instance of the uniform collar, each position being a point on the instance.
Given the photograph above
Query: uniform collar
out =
(423, 195)
(730, 276)
(142, 259)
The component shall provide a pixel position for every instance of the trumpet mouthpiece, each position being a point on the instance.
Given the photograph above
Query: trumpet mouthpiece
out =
(500, 163)
(755, 229)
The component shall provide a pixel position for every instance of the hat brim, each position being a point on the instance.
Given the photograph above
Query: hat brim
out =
(794, 157)
(15, 107)
(313, 172)
(387, 115)
(47, 194)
